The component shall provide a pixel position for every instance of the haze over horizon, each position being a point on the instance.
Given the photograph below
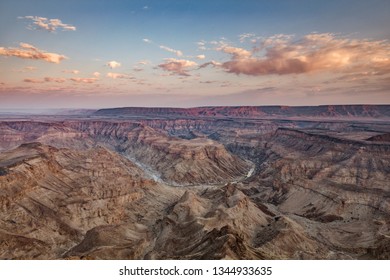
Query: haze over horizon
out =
(100, 54)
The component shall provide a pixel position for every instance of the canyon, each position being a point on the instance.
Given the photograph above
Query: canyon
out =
(268, 182)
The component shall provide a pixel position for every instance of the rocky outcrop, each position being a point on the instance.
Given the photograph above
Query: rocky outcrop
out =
(184, 162)
(12, 134)
(51, 197)
(380, 138)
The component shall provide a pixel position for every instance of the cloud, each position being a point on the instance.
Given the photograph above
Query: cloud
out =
(177, 66)
(201, 56)
(30, 68)
(246, 36)
(71, 71)
(178, 53)
(44, 80)
(277, 39)
(28, 51)
(113, 64)
(48, 24)
(140, 64)
(26, 69)
(212, 63)
(168, 49)
(143, 62)
(96, 74)
(57, 80)
(201, 45)
(237, 53)
(118, 76)
(84, 80)
(314, 52)
(34, 81)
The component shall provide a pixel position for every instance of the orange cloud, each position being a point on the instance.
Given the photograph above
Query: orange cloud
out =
(28, 51)
(314, 52)
(48, 24)
(177, 66)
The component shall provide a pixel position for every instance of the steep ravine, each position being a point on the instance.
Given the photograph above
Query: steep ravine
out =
(118, 189)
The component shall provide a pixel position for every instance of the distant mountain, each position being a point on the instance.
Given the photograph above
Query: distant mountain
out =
(23, 111)
(324, 111)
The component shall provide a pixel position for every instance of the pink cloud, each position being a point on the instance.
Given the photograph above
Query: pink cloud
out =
(48, 24)
(56, 80)
(177, 66)
(118, 76)
(26, 69)
(28, 51)
(71, 71)
(30, 68)
(84, 80)
(314, 52)
(237, 53)
(44, 80)
(212, 63)
(34, 81)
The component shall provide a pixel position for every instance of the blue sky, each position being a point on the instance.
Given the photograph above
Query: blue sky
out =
(94, 54)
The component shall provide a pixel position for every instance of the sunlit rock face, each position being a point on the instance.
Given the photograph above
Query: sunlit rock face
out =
(203, 183)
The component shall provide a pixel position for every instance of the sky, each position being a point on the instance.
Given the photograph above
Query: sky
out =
(181, 53)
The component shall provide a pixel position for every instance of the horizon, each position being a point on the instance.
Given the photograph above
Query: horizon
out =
(67, 111)
(188, 54)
